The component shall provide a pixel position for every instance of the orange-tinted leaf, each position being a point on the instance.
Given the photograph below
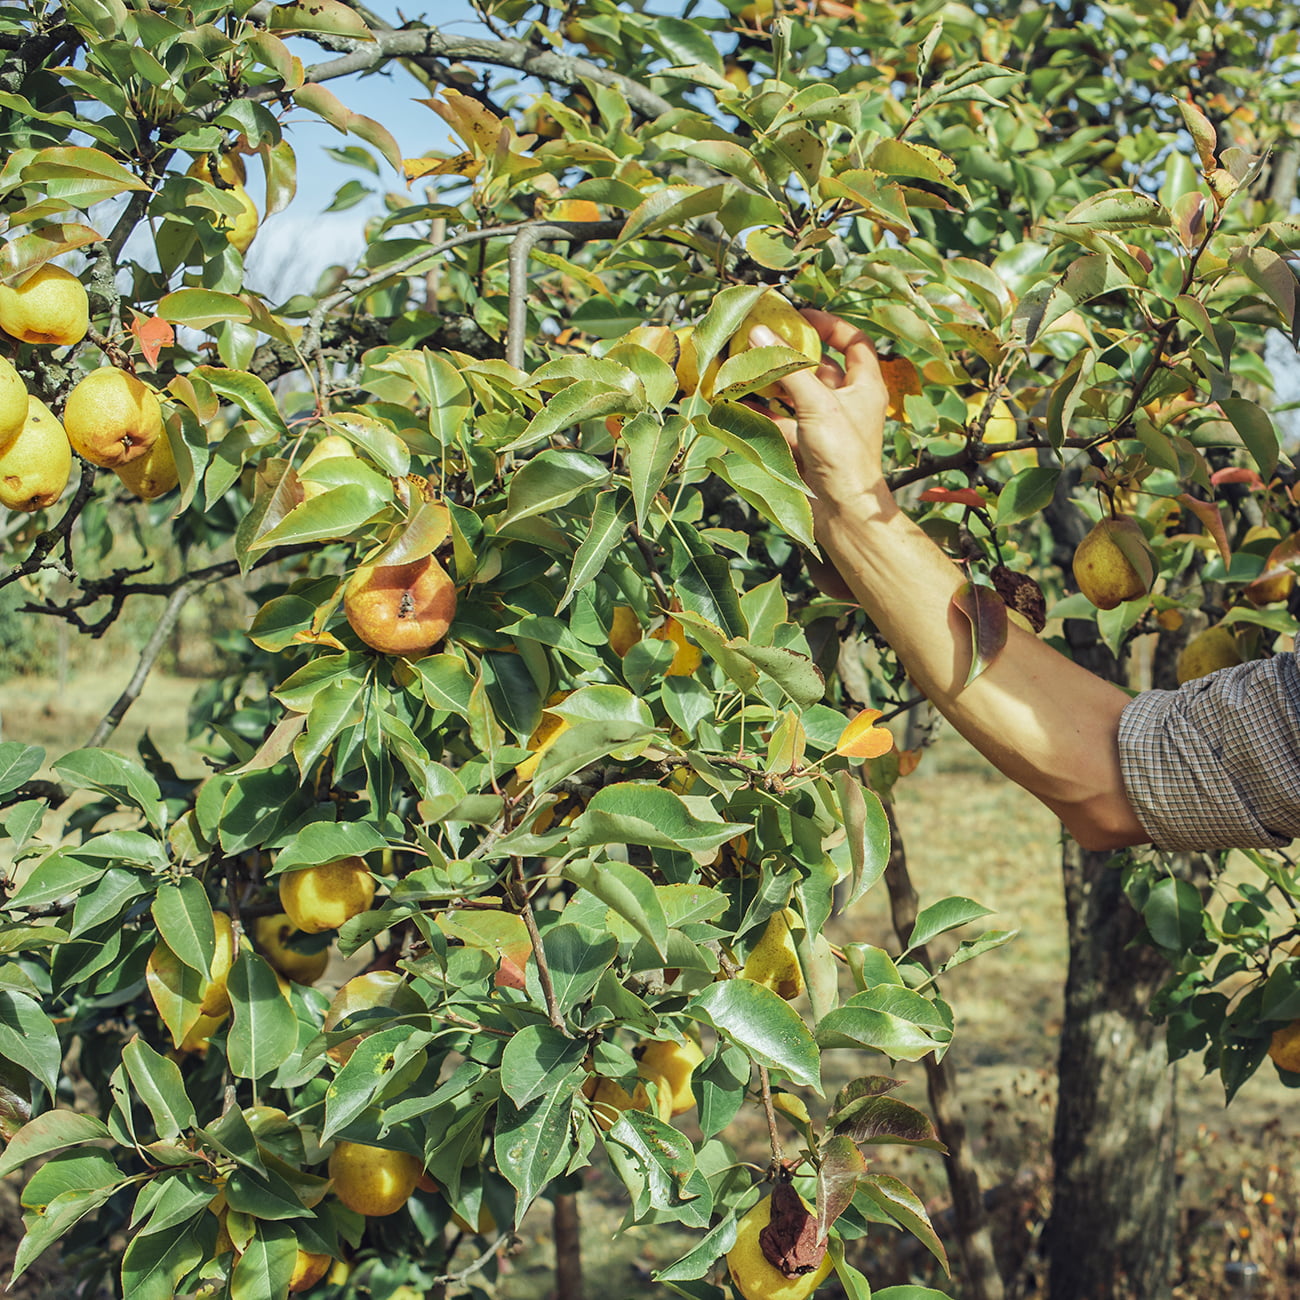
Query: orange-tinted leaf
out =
(901, 381)
(1238, 474)
(1208, 513)
(863, 739)
(153, 334)
(908, 761)
(962, 496)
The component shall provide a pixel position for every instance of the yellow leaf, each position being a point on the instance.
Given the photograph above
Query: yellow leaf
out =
(863, 739)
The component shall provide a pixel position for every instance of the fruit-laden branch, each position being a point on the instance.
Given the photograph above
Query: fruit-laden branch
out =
(61, 532)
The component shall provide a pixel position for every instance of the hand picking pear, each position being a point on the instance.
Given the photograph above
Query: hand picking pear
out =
(401, 609)
(1113, 563)
(13, 404)
(35, 468)
(782, 319)
(49, 307)
(112, 417)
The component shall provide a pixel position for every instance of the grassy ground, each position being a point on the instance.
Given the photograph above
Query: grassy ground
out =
(967, 831)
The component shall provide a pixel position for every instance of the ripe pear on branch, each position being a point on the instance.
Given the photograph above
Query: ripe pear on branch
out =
(50, 307)
(401, 609)
(323, 897)
(1114, 563)
(13, 404)
(35, 467)
(785, 321)
(1207, 652)
(773, 962)
(373, 1181)
(112, 417)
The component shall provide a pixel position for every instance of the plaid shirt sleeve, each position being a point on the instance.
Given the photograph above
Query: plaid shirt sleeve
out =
(1216, 764)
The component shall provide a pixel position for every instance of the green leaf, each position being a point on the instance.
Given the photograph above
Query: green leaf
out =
(1255, 426)
(374, 1070)
(627, 891)
(866, 828)
(59, 876)
(28, 1039)
(201, 309)
(533, 1144)
(751, 434)
(1026, 494)
(265, 1269)
(55, 1220)
(157, 1082)
(550, 480)
(576, 957)
(902, 1024)
(633, 812)
(247, 392)
(184, 918)
(650, 447)
(945, 915)
(1173, 913)
(539, 1059)
(263, 1029)
(18, 763)
(906, 1208)
(588, 399)
(763, 1025)
(1117, 210)
(98, 769)
(674, 205)
(610, 521)
(322, 841)
(51, 1131)
(155, 1262)
(785, 507)
(665, 1168)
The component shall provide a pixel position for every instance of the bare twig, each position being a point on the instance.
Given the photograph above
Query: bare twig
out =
(773, 1136)
(652, 565)
(524, 903)
(476, 1265)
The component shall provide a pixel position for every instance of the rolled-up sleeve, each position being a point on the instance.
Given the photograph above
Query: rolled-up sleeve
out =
(1216, 764)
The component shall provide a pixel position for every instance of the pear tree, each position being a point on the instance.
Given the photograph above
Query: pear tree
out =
(526, 831)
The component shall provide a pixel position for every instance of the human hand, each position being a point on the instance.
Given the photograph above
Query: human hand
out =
(836, 432)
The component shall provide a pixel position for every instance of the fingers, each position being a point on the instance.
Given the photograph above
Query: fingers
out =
(860, 364)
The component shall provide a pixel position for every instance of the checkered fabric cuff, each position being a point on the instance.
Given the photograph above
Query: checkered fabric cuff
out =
(1216, 764)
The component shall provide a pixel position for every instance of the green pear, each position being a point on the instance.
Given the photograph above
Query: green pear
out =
(1113, 563)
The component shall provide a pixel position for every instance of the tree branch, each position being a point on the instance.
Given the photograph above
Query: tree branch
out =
(61, 532)
(524, 903)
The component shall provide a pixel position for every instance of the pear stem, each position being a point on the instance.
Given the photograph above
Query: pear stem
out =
(765, 1083)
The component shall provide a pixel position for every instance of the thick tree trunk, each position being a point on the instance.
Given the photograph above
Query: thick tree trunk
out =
(568, 1248)
(1114, 1209)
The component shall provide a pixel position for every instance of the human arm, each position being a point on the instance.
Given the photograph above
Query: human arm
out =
(1045, 722)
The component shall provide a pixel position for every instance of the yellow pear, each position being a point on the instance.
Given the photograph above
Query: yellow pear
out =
(609, 1099)
(323, 897)
(35, 467)
(49, 307)
(689, 379)
(687, 657)
(670, 1065)
(782, 319)
(773, 960)
(372, 988)
(754, 1276)
(199, 1037)
(153, 474)
(401, 609)
(1113, 563)
(112, 417)
(624, 630)
(1284, 1047)
(272, 934)
(215, 999)
(13, 404)
(1207, 652)
(373, 1180)
(229, 168)
(332, 447)
(308, 1269)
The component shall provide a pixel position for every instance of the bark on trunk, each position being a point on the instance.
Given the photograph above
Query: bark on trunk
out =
(1114, 1210)
(568, 1248)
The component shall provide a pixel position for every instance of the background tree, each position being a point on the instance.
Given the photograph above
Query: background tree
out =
(533, 647)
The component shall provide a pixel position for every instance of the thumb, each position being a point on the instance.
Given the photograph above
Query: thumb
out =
(806, 391)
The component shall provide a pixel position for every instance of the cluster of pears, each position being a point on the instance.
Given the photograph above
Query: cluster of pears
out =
(668, 1064)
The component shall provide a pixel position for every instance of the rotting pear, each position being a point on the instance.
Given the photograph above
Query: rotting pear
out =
(50, 307)
(401, 609)
(35, 467)
(755, 1276)
(112, 417)
(1114, 563)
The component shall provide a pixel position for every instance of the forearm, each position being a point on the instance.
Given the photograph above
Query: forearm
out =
(1044, 721)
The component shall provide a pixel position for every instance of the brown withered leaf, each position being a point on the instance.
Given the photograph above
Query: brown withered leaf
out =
(1020, 592)
(842, 1164)
(987, 616)
(789, 1242)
